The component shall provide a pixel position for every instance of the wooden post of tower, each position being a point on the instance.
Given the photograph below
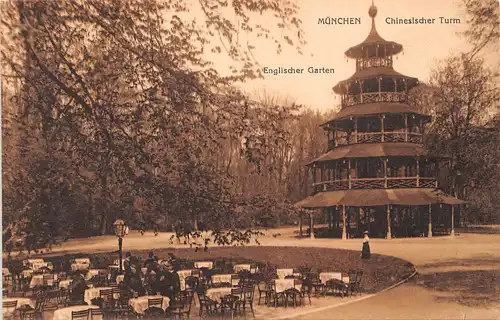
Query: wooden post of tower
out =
(389, 234)
(429, 230)
(344, 226)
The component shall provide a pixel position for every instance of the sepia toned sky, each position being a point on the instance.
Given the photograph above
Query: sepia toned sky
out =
(423, 45)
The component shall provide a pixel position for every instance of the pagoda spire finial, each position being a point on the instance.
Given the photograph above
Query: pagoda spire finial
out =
(372, 12)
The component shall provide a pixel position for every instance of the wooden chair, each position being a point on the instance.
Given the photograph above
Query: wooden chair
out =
(235, 280)
(207, 305)
(181, 306)
(264, 288)
(306, 289)
(9, 304)
(231, 302)
(155, 308)
(79, 315)
(293, 293)
(97, 313)
(107, 301)
(37, 313)
(319, 288)
(248, 297)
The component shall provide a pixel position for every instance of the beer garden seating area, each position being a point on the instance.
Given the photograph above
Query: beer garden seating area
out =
(207, 288)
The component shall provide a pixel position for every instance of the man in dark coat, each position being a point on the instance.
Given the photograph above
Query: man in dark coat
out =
(78, 287)
(169, 283)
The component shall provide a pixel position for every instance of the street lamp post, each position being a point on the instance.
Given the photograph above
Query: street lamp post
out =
(120, 231)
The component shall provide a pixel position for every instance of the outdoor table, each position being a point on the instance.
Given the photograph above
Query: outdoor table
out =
(5, 271)
(282, 273)
(325, 276)
(7, 312)
(64, 284)
(95, 272)
(39, 265)
(32, 261)
(93, 293)
(120, 278)
(221, 278)
(203, 264)
(241, 267)
(285, 284)
(140, 304)
(37, 280)
(26, 273)
(183, 274)
(79, 266)
(65, 313)
(216, 294)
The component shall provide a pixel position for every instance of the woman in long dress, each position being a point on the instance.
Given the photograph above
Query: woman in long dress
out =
(365, 252)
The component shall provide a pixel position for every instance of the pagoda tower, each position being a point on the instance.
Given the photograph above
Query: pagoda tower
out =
(375, 175)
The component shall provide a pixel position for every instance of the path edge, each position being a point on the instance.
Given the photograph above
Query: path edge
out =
(299, 314)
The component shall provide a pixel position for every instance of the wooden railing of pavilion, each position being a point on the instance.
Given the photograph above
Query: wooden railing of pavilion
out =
(376, 183)
(372, 97)
(376, 137)
(365, 63)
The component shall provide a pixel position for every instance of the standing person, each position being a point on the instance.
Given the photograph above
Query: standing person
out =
(78, 287)
(365, 252)
(128, 268)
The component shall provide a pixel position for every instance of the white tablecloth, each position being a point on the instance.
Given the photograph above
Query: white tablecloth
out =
(20, 302)
(183, 274)
(37, 280)
(64, 284)
(241, 267)
(217, 293)
(94, 272)
(282, 273)
(65, 313)
(285, 284)
(140, 304)
(39, 265)
(325, 276)
(79, 266)
(93, 293)
(204, 264)
(82, 261)
(32, 261)
(221, 278)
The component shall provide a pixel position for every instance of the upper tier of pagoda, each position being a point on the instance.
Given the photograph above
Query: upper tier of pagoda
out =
(375, 79)
(374, 44)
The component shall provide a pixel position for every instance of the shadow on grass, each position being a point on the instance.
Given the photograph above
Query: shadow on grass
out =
(480, 288)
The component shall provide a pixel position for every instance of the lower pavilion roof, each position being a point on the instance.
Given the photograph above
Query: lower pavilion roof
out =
(378, 197)
(368, 109)
(368, 150)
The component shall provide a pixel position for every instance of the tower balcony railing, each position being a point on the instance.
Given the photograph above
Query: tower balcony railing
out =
(375, 183)
(372, 97)
(376, 137)
(365, 63)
